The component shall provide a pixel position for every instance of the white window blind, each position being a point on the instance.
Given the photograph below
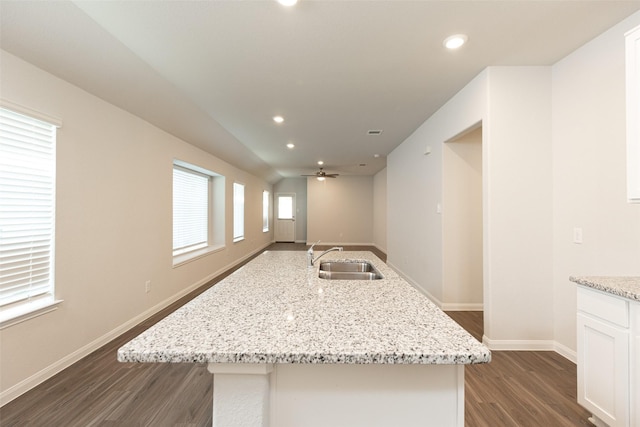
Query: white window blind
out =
(27, 206)
(265, 210)
(190, 210)
(238, 211)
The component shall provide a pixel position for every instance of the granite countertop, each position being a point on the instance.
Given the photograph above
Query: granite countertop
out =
(626, 287)
(276, 310)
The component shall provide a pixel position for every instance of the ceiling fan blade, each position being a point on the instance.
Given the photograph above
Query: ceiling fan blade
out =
(322, 174)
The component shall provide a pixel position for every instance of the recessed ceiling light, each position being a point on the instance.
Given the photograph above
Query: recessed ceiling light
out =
(320, 162)
(290, 145)
(287, 2)
(376, 155)
(454, 42)
(278, 119)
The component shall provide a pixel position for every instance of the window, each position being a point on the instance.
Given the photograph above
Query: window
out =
(238, 212)
(265, 211)
(27, 197)
(197, 196)
(190, 210)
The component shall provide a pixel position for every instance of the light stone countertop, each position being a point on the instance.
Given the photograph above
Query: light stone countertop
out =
(276, 310)
(626, 287)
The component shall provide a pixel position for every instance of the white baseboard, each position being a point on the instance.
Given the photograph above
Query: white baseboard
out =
(27, 384)
(384, 251)
(531, 345)
(469, 306)
(415, 284)
(566, 352)
(519, 345)
(340, 244)
(444, 306)
(498, 345)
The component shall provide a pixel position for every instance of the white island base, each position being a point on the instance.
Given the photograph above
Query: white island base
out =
(321, 395)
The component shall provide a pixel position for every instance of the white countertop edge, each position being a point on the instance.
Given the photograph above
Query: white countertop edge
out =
(622, 286)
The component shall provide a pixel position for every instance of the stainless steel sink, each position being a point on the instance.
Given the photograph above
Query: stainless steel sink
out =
(349, 275)
(348, 270)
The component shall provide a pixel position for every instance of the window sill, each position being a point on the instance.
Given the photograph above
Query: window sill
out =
(238, 239)
(28, 310)
(182, 259)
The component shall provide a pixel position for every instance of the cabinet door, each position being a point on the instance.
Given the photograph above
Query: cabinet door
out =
(603, 370)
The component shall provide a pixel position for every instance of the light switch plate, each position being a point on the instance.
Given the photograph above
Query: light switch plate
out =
(577, 235)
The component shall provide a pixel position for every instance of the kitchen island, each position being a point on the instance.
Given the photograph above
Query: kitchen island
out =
(287, 348)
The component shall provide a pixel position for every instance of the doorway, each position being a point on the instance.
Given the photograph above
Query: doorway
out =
(285, 228)
(462, 222)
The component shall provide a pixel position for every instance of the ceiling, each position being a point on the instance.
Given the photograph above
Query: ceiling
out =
(214, 73)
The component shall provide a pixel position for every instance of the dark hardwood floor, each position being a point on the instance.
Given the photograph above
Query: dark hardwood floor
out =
(519, 388)
(515, 389)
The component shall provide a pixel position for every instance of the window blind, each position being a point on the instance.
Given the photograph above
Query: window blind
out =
(27, 202)
(265, 210)
(238, 211)
(190, 210)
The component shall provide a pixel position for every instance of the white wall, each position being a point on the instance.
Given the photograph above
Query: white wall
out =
(414, 189)
(518, 209)
(113, 226)
(340, 211)
(554, 159)
(462, 223)
(299, 187)
(589, 168)
(380, 210)
(513, 104)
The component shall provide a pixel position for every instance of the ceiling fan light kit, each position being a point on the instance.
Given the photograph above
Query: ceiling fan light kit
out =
(321, 175)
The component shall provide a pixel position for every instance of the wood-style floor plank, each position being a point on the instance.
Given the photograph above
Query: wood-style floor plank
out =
(515, 389)
(519, 388)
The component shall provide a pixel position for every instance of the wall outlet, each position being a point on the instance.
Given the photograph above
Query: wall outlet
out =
(147, 286)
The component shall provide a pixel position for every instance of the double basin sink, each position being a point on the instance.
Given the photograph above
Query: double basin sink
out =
(348, 270)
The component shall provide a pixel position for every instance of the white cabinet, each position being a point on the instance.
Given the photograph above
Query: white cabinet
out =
(604, 358)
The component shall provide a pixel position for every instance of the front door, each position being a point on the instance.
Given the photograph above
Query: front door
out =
(286, 217)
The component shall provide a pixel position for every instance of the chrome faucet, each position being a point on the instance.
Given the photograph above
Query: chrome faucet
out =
(311, 259)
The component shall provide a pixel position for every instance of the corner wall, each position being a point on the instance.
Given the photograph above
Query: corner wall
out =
(518, 209)
(113, 227)
(380, 210)
(513, 104)
(414, 189)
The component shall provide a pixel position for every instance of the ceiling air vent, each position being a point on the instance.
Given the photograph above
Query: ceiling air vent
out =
(374, 132)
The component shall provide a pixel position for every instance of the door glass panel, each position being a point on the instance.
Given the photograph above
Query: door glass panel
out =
(285, 207)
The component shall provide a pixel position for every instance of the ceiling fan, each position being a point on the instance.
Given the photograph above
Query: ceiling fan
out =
(321, 175)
